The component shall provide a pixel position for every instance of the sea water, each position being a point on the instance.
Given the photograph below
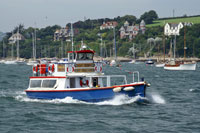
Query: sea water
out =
(173, 105)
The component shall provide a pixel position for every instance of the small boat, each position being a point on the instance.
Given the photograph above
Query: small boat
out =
(175, 65)
(10, 62)
(160, 64)
(32, 62)
(132, 62)
(2, 61)
(20, 62)
(149, 62)
(115, 63)
(80, 78)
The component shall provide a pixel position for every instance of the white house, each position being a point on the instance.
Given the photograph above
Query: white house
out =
(64, 34)
(173, 28)
(15, 37)
(108, 25)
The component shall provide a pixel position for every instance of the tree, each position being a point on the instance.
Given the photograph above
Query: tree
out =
(149, 17)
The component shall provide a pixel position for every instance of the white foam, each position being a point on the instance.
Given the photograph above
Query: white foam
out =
(120, 100)
(117, 100)
(56, 101)
(191, 90)
(156, 98)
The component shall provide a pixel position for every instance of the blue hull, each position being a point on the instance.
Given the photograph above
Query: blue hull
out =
(87, 95)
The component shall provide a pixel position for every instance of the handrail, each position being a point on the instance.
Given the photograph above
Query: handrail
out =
(138, 75)
(108, 78)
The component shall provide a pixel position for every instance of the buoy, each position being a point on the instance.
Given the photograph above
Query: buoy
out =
(117, 89)
(129, 88)
(148, 85)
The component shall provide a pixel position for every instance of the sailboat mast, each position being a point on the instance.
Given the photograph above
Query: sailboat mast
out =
(12, 52)
(3, 49)
(101, 47)
(185, 44)
(72, 35)
(175, 47)
(18, 43)
(134, 51)
(114, 47)
(35, 45)
(163, 47)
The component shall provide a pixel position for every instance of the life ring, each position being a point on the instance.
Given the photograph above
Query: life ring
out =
(98, 68)
(51, 68)
(35, 69)
(70, 69)
(83, 83)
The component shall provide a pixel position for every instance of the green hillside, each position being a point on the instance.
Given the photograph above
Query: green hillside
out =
(195, 20)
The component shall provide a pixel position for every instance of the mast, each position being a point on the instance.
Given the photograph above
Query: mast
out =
(3, 49)
(101, 50)
(185, 43)
(18, 43)
(163, 47)
(33, 46)
(175, 47)
(12, 52)
(72, 35)
(106, 53)
(114, 45)
(171, 49)
(62, 48)
(134, 51)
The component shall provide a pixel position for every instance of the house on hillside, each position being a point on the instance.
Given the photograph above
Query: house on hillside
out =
(131, 31)
(174, 28)
(108, 25)
(64, 33)
(15, 37)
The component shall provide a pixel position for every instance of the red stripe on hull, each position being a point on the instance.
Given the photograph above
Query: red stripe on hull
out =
(48, 77)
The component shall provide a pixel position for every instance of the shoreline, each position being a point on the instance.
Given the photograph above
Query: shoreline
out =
(119, 58)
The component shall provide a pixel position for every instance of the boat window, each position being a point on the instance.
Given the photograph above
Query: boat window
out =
(35, 83)
(61, 68)
(84, 56)
(72, 82)
(48, 83)
(71, 56)
(95, 81)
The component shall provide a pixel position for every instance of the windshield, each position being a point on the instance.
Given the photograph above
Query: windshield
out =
(35, 83)
(84, 56)
(48, 83)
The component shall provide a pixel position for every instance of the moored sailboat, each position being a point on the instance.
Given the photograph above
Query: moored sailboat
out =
(181, 65)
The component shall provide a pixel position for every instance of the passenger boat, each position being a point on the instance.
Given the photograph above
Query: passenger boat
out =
(80, 78)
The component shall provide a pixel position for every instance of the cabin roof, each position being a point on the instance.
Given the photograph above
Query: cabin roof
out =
(82, 51)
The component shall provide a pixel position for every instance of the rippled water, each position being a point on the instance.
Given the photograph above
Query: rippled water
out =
(174, 105)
